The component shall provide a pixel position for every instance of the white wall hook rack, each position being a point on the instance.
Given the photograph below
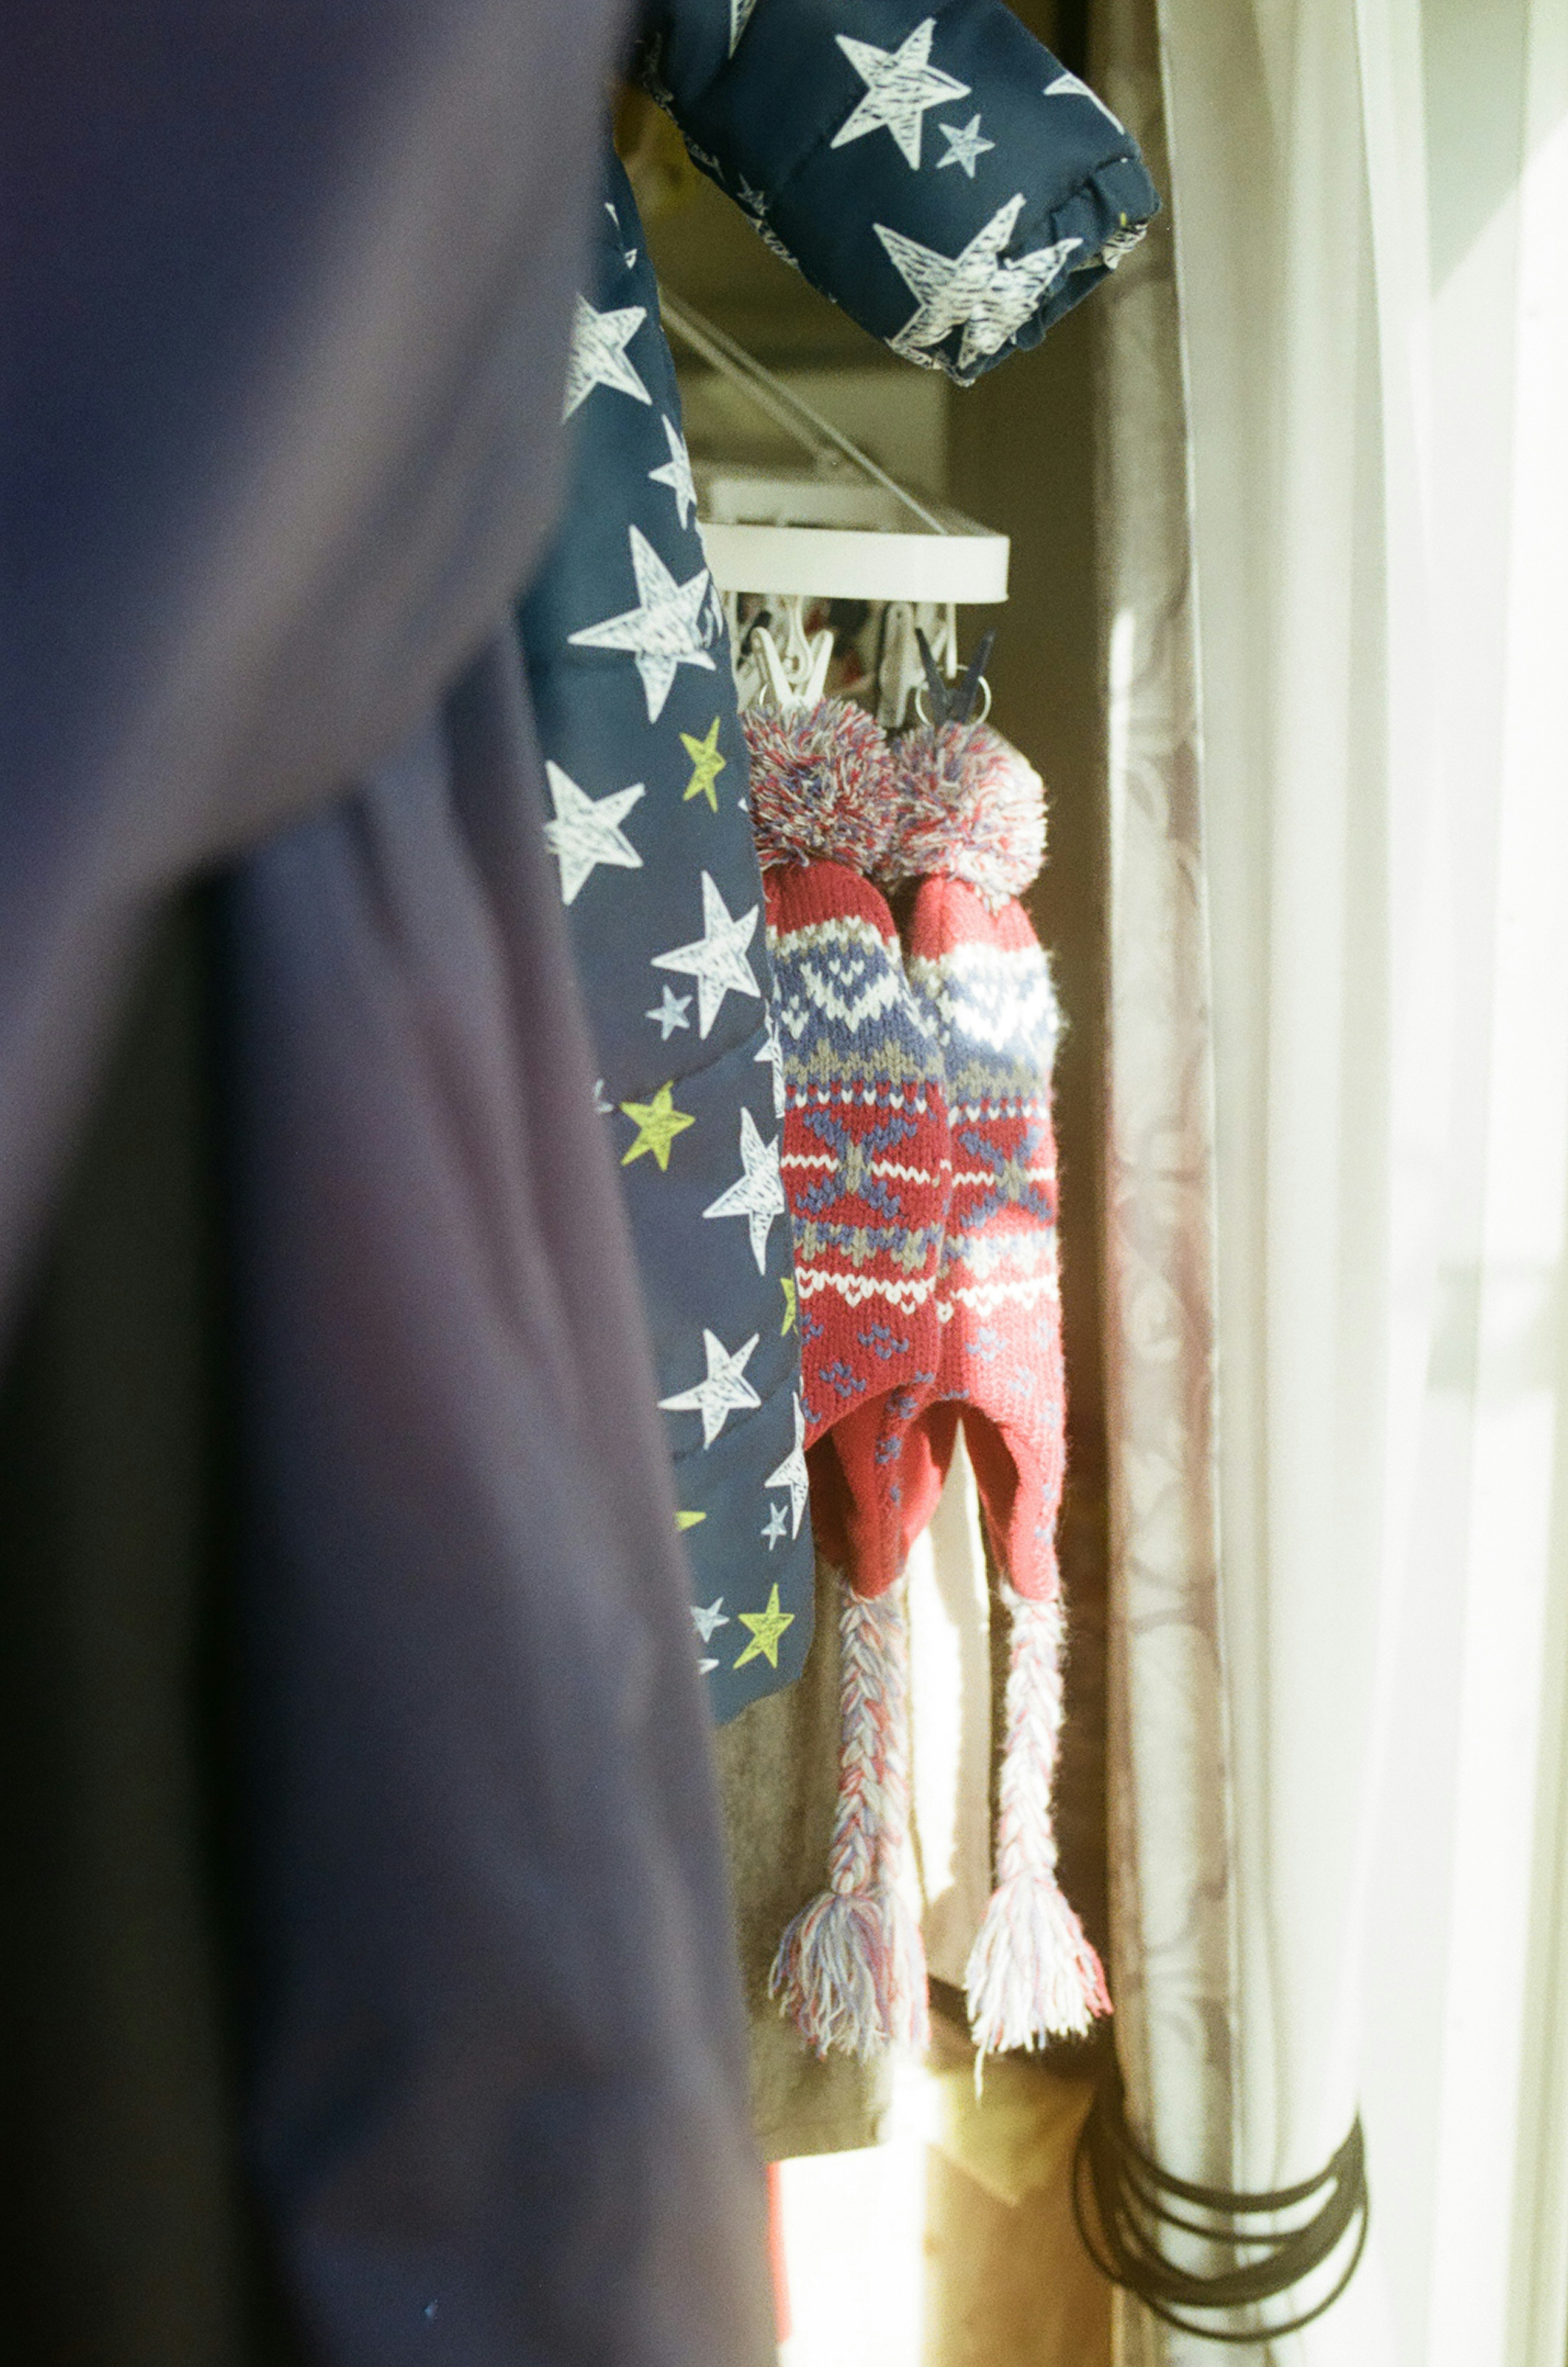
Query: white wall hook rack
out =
(840, 528)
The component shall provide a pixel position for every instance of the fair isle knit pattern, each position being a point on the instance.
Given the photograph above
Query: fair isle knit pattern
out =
(919, 1166)
(867, 1171)
(983, 982)
(982, 978)
(866, 1159)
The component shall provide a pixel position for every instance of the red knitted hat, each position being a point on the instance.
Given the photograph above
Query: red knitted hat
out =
(867, 1171)
(866, 1163)
(974, 962)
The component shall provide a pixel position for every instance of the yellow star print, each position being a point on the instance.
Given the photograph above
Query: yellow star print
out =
(684, 1521)
(706, 765)
(766, 1627)
(658, 1123)
(786, 1283)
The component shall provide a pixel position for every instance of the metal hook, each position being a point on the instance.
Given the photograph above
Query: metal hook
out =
(955, 706)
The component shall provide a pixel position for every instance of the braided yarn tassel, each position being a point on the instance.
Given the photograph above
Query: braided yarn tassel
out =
(1031, 1973)
(907, 2007)
(844, 1967)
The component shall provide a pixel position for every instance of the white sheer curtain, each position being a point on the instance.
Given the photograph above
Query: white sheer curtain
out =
(1336, 529)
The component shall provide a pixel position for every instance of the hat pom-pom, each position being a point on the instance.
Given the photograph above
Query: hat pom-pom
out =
(822, 786)
(968, 805)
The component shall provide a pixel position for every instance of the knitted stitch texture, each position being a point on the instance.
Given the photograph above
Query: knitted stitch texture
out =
(968, 804)
(866, 1160)
(983, 982)
(868, 1169)
(973, 808)
(822, 786)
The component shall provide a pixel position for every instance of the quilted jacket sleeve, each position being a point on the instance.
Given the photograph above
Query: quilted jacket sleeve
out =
(925, 163)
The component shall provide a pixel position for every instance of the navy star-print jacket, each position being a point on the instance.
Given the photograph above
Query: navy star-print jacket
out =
(940, 175)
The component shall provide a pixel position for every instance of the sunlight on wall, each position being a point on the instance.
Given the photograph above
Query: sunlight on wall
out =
(855, 2243)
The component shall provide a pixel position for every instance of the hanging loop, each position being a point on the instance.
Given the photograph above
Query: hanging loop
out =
(923, 704)
(957, 706)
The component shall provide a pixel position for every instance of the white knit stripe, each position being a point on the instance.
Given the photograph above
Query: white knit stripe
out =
(998, 1105)
(985, 1298)
(875, 1094)
(892, 1167)
(1027, 1251)
(855, 1289)
(983, 1179)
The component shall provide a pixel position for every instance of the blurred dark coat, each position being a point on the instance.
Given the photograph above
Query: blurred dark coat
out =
(285, 331)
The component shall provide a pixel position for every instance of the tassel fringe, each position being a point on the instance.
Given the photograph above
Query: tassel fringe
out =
(850, 1970)
(1031, 1973)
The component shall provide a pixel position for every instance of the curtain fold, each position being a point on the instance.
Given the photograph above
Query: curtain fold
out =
(1334, 524)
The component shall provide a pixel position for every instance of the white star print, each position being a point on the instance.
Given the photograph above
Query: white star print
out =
(676, 471)
(757, 1192)
(964, 145)
(900, 84)
(1068, 86)
(601, 1103)
(717, 959)
(663, 632)
(628, 254)
(587, 831)
(974, 291)
(771, 1053)
(598, 357)
(791, 1473)
(725, 1391)
(774, 1533)
(739, 18)
(670, 1014)
(706, 1617)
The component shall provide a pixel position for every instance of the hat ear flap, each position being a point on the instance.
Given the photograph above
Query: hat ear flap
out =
(892, 1459)
(1020, 1471)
